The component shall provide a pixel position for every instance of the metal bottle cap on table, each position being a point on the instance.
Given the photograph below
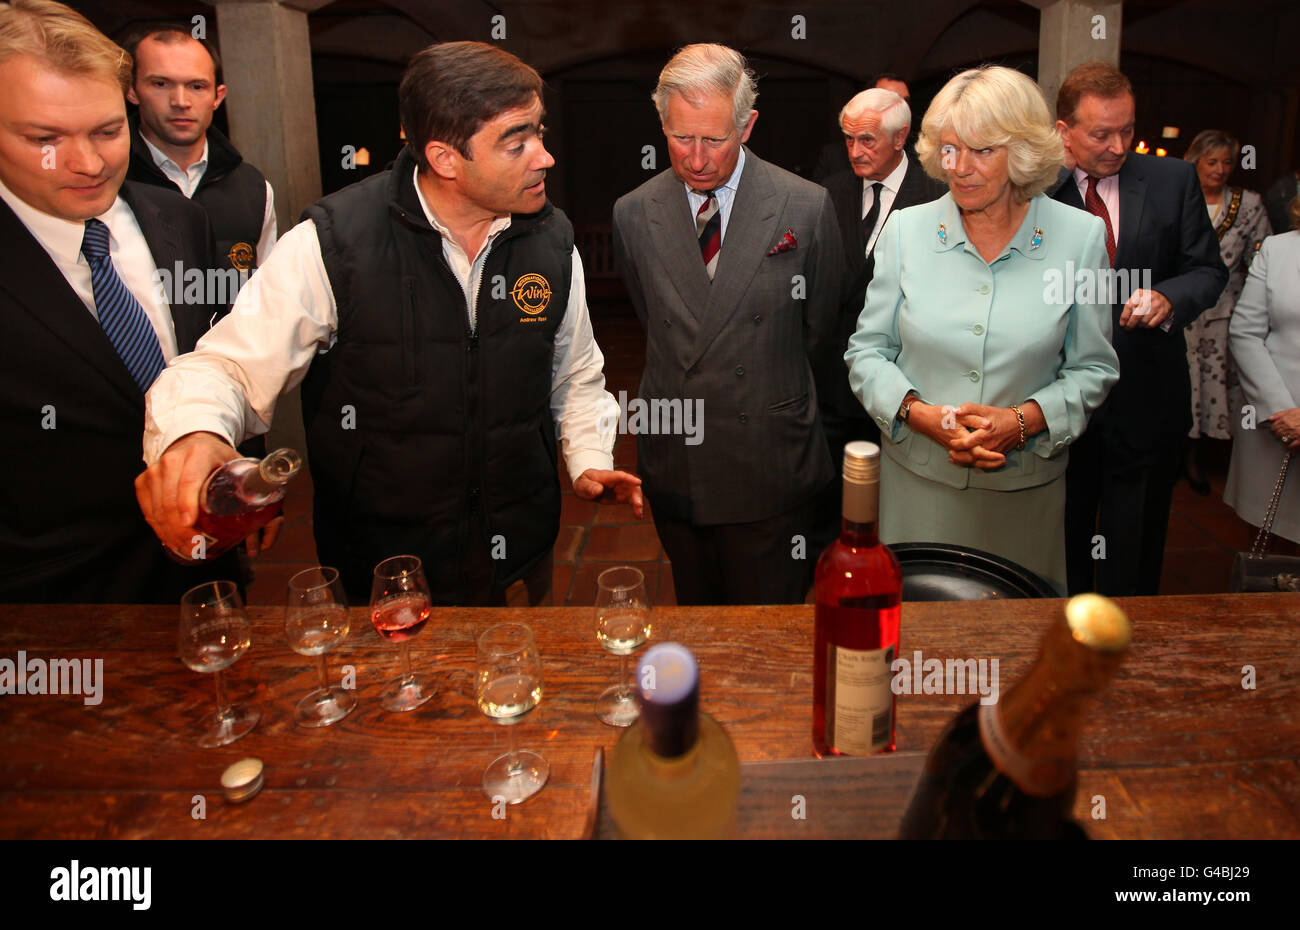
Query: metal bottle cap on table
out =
(242, 780)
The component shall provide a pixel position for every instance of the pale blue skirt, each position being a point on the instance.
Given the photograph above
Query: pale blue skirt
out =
(1026, 526)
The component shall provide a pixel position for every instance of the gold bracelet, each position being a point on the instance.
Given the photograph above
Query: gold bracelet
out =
(1023, 434)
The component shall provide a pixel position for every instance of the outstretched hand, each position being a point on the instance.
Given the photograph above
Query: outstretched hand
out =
(599, 484)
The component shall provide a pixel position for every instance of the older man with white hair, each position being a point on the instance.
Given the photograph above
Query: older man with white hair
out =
(881, 180)
(734, 267)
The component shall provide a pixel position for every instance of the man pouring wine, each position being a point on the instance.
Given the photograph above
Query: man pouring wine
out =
(432, 404)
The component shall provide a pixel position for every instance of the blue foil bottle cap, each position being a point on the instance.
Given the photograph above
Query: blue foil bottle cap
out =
(668, 691)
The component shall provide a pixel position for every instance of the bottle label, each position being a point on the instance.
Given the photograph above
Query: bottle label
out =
(859, 701)
(1041, 778)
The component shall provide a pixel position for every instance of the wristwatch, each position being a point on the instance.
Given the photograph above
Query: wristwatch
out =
(905, 408)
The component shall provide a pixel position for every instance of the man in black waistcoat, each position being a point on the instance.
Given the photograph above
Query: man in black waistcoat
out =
(83, 327)
(436, 317)
(176, 83)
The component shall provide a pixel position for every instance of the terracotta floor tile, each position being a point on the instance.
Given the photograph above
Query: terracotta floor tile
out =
(295, 543)
(270, 581)
(621, 513)
(575, 510)
(561, 579)
(583, 591)
(1197, 571)
(636, 542)
(1226, 529)
(568, 543)
(667, 594)
(1185, 534)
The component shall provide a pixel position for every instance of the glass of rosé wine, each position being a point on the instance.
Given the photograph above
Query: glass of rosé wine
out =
(315, 621)
(399, 608)
(214, 632)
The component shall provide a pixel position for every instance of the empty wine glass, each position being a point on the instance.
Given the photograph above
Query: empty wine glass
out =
(315, 621)
(399, 608)
(622, 625)
(508, 686)
(214, 632)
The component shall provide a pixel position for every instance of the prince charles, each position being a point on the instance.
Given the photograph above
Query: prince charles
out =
(734, 267)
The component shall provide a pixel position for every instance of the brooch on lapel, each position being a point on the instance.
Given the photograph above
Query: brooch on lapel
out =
(943, 234)
(1037, 240)
(788, 243)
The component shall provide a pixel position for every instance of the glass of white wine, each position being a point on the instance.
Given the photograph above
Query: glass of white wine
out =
(214, 632)
(622, 626)
(508, 686)
(315, 621)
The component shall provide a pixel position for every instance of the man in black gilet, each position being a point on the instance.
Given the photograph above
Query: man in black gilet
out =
(176, 83)
(436, 317)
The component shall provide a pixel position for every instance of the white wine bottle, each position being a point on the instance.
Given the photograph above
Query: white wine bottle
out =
(674, 773)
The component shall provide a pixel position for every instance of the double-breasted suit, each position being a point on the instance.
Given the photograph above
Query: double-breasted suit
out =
(1122, 471)
(744, 346)
(73, 419)
(843, 413)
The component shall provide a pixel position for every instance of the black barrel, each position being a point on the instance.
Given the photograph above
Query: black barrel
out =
(943, 572)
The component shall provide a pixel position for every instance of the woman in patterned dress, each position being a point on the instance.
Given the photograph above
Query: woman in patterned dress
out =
(1238, 216)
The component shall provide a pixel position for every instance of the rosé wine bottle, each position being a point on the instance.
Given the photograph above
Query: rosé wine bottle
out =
(240, 497)
(859, 588)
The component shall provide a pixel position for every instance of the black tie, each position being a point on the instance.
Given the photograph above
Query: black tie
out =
(869, 221)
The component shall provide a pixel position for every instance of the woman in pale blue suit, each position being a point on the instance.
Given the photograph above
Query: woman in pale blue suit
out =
(1264, 339)
(984, 344)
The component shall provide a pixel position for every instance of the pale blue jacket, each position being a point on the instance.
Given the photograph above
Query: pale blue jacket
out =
(1033, 325)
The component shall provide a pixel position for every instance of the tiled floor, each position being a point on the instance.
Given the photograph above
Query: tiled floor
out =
(1203, 531)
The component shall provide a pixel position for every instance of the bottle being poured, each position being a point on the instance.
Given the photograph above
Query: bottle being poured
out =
(238, 498)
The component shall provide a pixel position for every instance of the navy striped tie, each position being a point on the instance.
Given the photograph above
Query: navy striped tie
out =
(120, 314)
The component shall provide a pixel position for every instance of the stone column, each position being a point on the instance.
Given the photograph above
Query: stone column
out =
(270, 103)
(1071, 32)
(271, 107)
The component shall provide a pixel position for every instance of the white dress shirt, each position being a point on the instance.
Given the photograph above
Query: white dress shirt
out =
(888, 192)
(127, 248)
(286, 314)
(1108, 191)
(187, 179)
(726, 194)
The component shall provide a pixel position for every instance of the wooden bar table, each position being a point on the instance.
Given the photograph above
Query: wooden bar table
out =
(1176, 747)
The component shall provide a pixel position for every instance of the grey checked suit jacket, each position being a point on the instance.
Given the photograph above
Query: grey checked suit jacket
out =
(746, 344)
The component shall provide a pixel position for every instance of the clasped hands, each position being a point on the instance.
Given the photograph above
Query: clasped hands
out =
(975, 435)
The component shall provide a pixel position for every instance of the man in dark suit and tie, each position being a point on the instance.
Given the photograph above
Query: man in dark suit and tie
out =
(1167, 270)
(734, 268)
(85, 326)
(831, 159)
(881, 179)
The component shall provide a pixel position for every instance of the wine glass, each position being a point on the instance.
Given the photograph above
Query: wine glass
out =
(508, 686)
(214, 632)
(315, 621)
(399, 608)
(622, 624)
